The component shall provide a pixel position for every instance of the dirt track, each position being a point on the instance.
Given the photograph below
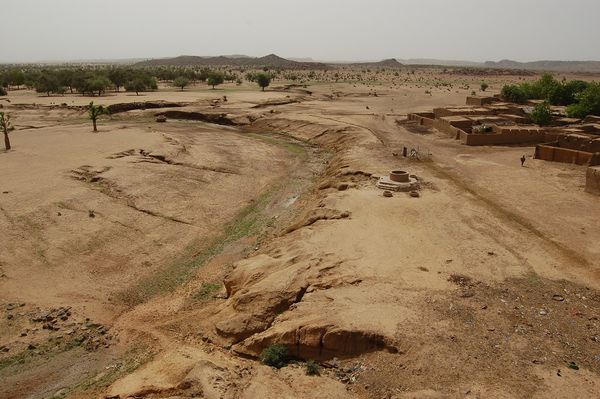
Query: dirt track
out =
(484, 286)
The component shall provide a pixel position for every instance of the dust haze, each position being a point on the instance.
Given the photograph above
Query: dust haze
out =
(269, 199)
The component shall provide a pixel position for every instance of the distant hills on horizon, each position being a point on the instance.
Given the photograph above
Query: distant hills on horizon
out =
(275, 61)
(271, 61)
(554, 66)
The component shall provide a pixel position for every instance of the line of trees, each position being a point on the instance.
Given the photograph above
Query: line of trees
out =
(581, 98)
(97, 80)
(84, 81)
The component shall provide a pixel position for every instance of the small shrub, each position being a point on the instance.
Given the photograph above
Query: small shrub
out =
(312, 368)
(484, 86)
(275, 356)
(2, 91)
(542, 114)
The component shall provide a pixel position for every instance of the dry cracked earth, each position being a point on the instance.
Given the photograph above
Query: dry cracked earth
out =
(159, 260)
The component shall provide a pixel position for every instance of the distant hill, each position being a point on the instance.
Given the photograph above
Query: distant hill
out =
(389, 63)
(434, 61)
(270, 61)
(554, 66)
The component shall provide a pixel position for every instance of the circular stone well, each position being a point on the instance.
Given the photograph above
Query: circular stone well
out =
(398, 180)
(399, 176)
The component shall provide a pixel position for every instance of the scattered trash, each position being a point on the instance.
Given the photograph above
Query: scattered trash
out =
(573, 366)
(558, 298)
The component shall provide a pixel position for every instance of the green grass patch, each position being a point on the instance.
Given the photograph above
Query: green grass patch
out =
(247, 222)
(293, 146)
(41, 354)
(206, 292)
(131, 361)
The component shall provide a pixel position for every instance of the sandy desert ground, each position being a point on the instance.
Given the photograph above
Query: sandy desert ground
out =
(158, 260)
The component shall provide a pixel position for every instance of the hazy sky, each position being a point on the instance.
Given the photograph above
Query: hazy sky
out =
(479, 30)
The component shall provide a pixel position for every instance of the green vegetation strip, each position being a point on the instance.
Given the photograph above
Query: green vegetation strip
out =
(292, 145)
(42, 353)
(206, 292)
(247, 223)
(133, 359)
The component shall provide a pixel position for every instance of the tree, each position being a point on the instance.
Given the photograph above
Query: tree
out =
(215, 78)
(16, 77)
(567, 93)
(589, 102)
(136, 85)
(181, 82)
(263, 79)
(542, 114)
(95, 111)
(118, 77)
(97, 83)
(514, 93)
(47, 83)
(66, 78)
(6, 127)
(484, 86)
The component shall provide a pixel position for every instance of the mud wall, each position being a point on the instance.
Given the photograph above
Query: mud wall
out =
(465, 111)
(579, 143)
(592, 180)
(505, 135)
(423, 119)
(453, 127)
(549, 152)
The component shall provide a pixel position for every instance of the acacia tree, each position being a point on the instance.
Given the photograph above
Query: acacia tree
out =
(181, 82)
(263, 79)
(136, 85)
(47, 83)
(118, 77)
(215, 78)
(6, 127)
(95, 111)
(97, 83)
(16, 77)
